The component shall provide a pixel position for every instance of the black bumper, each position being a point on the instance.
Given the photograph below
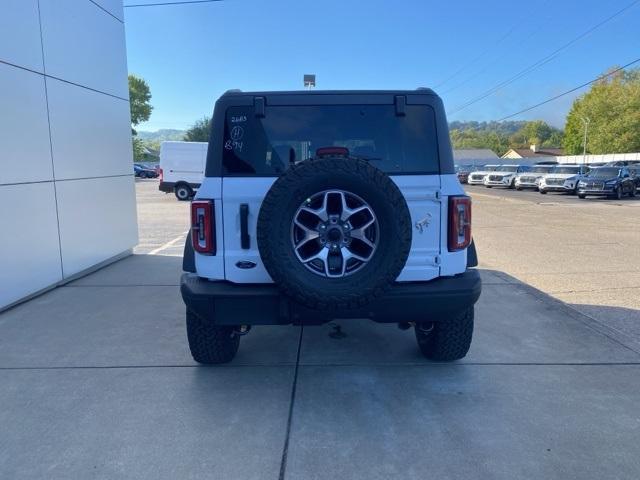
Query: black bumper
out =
(166, 187)
(226, 303)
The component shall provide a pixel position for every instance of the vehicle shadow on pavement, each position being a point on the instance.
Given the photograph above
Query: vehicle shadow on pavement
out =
(130, 313)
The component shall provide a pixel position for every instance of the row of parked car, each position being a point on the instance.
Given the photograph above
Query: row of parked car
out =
(141, 170)
(613, 179)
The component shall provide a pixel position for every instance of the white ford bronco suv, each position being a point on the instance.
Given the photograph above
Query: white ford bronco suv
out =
(329, 205)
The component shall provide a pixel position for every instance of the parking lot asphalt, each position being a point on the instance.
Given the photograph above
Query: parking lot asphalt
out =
(583, 252)
(162, 220)
(96, 381)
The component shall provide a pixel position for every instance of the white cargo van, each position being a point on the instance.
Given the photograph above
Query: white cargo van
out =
(182, 167)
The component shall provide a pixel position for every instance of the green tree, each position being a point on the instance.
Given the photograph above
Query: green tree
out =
(612, 106)
(140, 107)
(536, 132)
(139, 100)
(199, 131)
(138, 149)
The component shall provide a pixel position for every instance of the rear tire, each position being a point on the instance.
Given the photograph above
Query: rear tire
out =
(446, 341)
(183, 192)
(211, 344)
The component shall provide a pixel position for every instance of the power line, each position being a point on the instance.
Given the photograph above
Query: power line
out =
(543, 60)
(490, 64)
(487, 50)
(463, 67)
(601, 77)
(162, 4)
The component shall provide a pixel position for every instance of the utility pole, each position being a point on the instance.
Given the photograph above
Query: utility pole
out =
(586, 121)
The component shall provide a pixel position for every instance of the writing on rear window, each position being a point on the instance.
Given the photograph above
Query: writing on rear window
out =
(285, 135)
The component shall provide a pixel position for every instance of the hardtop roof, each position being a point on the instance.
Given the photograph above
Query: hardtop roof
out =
(418, 91)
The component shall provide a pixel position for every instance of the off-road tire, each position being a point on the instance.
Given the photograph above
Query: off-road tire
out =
(183, 192)
(289, 192)
(448, 340)
(210, 344)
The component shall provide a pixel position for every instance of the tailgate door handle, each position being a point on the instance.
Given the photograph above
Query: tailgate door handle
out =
(245, 239)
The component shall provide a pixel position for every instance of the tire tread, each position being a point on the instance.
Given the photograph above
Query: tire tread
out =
(449, 340)
(210, 344)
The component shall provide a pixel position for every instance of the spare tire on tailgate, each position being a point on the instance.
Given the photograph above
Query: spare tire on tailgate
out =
(334, 232)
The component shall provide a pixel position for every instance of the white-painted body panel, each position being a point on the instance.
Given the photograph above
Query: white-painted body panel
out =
(183, 161)
(426, 196)
(422, 193)
(237, 191)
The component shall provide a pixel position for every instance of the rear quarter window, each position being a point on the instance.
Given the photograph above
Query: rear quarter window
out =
(267, 146)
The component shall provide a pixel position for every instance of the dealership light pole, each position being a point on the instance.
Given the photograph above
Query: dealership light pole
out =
(586, 121)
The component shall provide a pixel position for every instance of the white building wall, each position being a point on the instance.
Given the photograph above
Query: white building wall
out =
(67, 195)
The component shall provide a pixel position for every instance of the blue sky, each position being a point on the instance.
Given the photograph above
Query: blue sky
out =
(191, 54)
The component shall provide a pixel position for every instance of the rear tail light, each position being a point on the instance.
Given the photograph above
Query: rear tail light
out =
(203, 227)
(160, 173)
(459, 223)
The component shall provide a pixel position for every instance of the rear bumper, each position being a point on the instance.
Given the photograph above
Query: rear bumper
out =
(166, 187)
(226, 303)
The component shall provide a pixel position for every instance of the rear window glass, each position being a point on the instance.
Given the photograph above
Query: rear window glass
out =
(286, 135)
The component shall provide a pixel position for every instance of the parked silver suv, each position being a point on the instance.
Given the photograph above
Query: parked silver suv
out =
(477, 177)
(504, 176)
(531, 178)
(563, 178)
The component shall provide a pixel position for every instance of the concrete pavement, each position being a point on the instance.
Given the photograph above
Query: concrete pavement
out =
(97, 382)
(583, 252)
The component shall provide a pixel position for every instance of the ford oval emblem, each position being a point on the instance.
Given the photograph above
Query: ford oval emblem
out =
(245, 264)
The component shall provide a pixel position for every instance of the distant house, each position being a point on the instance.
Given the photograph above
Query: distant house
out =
(533, 152)
(474, 156)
